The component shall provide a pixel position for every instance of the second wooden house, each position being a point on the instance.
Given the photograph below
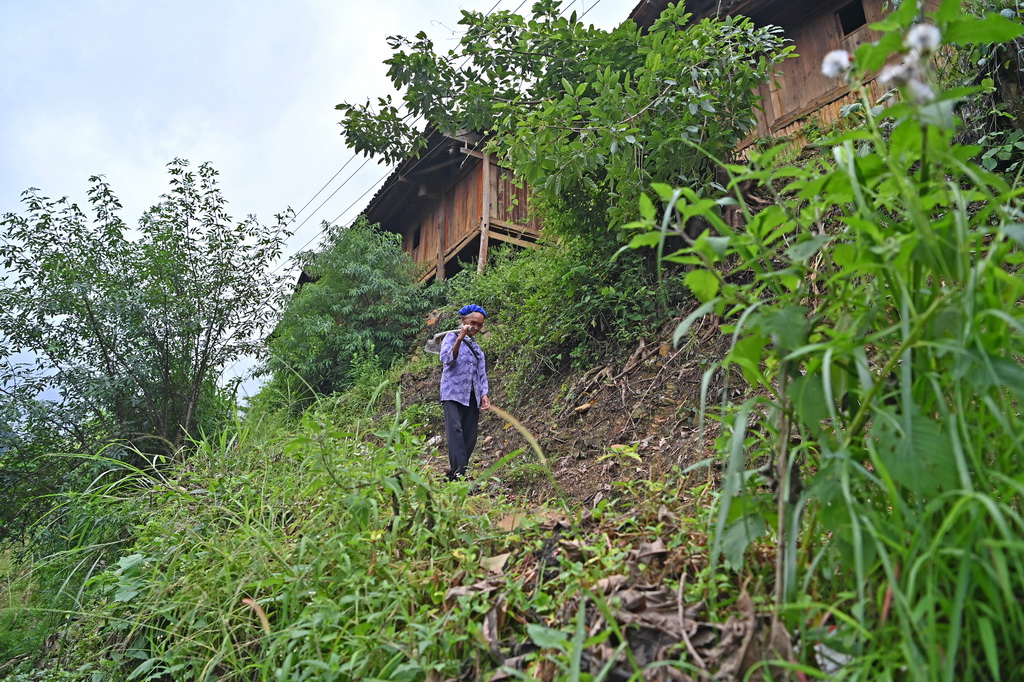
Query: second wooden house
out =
(451, 204)
(801, 93)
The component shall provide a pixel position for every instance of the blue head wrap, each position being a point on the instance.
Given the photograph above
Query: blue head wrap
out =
(472, 308)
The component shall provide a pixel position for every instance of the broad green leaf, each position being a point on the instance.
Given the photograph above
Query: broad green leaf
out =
(647, 210)
(738, 537)
(787, 327)
(547, 638)
(126, 592)
(703, 283)
(749, 354)
(808, 396)
(1014, 231)
(949, 9)
(665, 192)
(645, 239)
(992, 28)
(871, 56)
(920, 459)
(899, 20)
(803, 250)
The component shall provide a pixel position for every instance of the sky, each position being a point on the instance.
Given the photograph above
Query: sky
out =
(120, 88)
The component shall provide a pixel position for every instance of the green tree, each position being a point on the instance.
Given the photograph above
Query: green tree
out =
(571, 108)
(364, 298)
(126, 330)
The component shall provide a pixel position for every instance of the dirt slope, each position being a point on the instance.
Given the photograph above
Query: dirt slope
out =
(634, 417)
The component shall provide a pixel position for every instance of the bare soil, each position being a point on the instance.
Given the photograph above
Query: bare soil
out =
(635, 417)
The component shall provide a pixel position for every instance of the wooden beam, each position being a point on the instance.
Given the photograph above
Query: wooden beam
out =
(437, 166)
(485, 213)
(454, 249)
(472, 152)
(514, 240)
(513, 227)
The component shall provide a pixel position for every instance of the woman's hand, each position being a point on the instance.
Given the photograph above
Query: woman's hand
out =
(485, 403)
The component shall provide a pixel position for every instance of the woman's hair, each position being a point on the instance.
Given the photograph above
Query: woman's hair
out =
(472, 308)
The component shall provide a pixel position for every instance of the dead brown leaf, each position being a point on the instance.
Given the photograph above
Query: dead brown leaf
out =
(495, 564)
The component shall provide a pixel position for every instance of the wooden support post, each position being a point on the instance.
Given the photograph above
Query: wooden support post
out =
(442, 232)
(485, 210)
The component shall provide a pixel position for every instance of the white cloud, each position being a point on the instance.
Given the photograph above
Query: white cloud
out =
(121, 87)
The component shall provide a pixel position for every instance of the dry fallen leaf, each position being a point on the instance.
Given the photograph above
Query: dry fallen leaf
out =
(611, 583)
(512, 521)
(495, 564)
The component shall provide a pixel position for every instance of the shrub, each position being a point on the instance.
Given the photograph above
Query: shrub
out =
(363, 298)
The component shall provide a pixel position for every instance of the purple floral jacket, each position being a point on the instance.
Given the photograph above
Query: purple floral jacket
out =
(465, 373)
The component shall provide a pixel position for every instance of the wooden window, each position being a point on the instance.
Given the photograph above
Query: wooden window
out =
(416, 235)
(851, 17)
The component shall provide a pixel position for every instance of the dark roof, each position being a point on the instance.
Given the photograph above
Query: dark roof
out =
(407, 191)
(410, 187)
(647, 11)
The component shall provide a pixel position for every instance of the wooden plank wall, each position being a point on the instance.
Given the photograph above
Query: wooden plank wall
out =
(803, 88)
(451, 220)
(465, 216)
(804, 93)
(511, 202)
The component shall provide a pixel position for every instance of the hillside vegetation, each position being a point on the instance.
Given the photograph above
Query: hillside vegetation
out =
(785, 450)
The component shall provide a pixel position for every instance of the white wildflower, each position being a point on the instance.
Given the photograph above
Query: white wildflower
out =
(922, 93)
(897, 74)
(836, 63)
(923, 39)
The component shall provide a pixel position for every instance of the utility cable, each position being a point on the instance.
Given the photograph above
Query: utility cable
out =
(391, 170)
(361, 166)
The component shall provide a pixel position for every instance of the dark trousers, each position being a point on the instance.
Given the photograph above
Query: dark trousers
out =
(460, 424)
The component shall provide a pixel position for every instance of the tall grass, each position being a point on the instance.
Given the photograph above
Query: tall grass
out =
(334, 554)
(874, 308)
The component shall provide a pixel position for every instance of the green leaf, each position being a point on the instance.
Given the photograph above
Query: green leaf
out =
(647, 210)
(808, 396)
(871, 56)
(126, 592)
(703, 283)
(949, 9)
(664, 192)
(787, 327)
(749, 354)
(126, 563)
(921, 459)
(645, 239)
(806, 248)
(1014, 231)
(940, 114)
(547, 638)
(899, 20)
(738, 537)
(992, 28)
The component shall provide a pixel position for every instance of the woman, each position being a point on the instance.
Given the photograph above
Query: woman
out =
(463, 388)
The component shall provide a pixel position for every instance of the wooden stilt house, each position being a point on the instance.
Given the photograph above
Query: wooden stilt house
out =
(815, 27)
(451, 204)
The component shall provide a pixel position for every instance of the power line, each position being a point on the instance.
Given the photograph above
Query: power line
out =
(384, 177)
(374, 185)
(299, 212)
